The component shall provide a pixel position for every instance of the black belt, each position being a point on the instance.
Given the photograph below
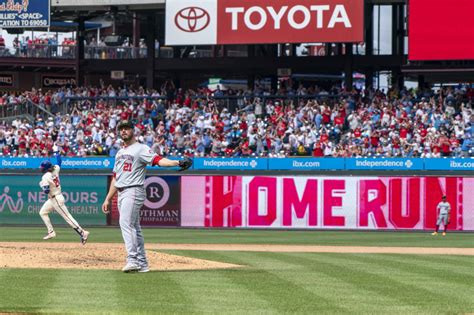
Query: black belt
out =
(123, 188)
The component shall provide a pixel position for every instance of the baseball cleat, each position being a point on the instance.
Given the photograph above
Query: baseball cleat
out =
(131, 268)
(84, 237)
(144, 269)
(444, 233)
(434, 233)
(50, 235)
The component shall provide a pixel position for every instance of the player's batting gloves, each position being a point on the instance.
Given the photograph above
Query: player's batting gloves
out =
(185, 163)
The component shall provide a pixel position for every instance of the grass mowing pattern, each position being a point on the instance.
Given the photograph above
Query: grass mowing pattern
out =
(354, 283)
(24, 290)
(196, 236)
(270, 283)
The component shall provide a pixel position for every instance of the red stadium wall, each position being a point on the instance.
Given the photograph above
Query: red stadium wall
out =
(379, 203)
(440, 30)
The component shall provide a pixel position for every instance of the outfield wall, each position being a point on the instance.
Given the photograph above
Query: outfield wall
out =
(270, 201)
(21, 199)
(328, 202)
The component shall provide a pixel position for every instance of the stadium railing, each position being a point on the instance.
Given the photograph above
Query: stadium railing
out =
(26, 109)
(230, 102)
(39, 51)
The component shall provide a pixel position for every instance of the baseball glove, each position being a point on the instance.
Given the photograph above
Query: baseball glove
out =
(184, 164)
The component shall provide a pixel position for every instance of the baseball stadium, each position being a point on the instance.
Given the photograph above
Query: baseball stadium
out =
(236, 157)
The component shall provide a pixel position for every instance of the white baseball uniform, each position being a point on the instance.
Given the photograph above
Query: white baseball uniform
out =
(129, 173)
(55, 201)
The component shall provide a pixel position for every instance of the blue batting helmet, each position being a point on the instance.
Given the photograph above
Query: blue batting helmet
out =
(45, 165)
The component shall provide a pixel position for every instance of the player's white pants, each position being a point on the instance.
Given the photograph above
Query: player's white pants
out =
(57, 203)
(130, 201)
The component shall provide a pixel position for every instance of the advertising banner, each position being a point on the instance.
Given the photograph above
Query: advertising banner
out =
(252, 164)
(7, 80)
(449, 164)
(211, 22)
(325, 202)
(439, 30)
(20, 163)
(87, 163)
(49, 81)
(162, 205)
(230, 164)
(306, 164)
(67, 163)
(163, 202)
(24, 13)
(384, 164)
(21, 199)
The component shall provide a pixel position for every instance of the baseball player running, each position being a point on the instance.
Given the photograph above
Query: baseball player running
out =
(51, 185)
(444, 209)
(128, 180)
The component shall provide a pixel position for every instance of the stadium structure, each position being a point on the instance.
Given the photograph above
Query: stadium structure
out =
(146, 59)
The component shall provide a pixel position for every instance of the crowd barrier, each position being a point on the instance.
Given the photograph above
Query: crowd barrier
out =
(256, 201)
(272, 164)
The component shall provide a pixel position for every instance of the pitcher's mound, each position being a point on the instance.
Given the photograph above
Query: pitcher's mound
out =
(91, 256)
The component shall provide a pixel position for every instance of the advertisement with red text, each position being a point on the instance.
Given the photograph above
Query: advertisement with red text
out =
(211, 22)
(408, 203)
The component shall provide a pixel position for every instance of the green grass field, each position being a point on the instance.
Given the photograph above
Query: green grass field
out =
(270, 283)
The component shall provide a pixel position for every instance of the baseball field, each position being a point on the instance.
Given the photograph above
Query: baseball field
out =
(238, 271)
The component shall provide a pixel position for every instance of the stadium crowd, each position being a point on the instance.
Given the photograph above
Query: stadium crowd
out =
(296, 122)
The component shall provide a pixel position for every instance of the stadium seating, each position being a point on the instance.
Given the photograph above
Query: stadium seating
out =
(300, 122)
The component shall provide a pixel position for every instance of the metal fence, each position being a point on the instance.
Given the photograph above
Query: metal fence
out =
(70, 52)
(26, 109)
(39, 51)
(104, 52)
(114, 52)
(232, 103)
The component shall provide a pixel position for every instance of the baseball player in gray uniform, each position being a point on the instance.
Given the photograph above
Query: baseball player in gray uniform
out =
(128, 180)
(444, 209)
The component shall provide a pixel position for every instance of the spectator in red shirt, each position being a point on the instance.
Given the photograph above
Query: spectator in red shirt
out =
(324, 138)
(318, 151)
(339, 121)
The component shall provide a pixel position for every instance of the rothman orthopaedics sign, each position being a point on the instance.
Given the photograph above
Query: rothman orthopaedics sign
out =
(211, 22)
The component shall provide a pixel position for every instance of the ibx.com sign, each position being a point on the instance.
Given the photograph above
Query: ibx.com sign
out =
(211, 22)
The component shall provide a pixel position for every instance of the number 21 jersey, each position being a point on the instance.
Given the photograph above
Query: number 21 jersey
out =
(130, 163)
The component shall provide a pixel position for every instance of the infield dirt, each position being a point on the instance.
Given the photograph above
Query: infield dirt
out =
(112, 255)
(91, 256)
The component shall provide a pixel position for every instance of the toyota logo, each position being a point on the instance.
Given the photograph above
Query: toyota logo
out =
(192, 19)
